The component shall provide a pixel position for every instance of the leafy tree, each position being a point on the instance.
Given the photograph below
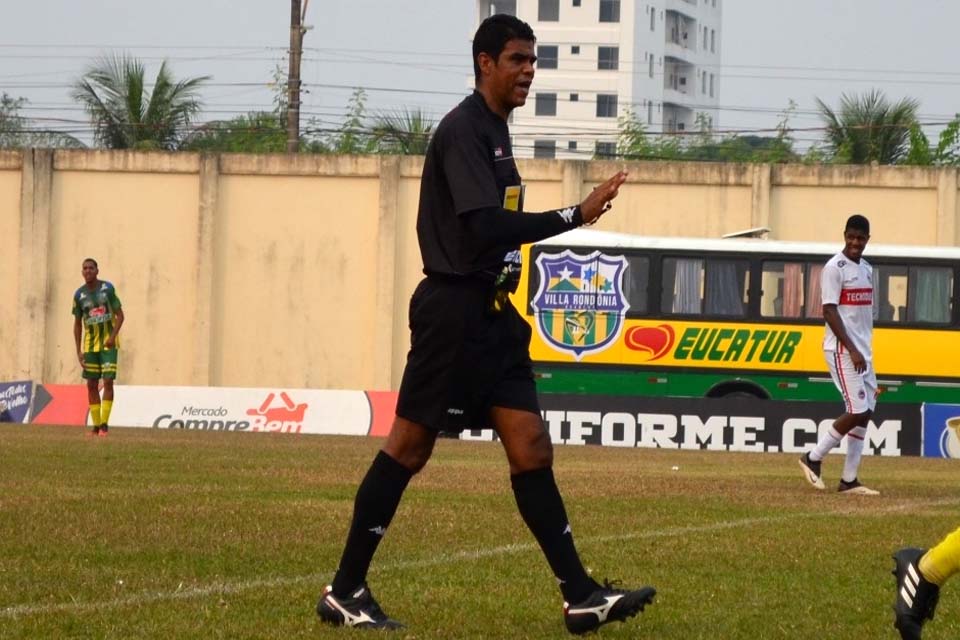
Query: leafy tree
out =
(255, 132)
(404, 132)
(12, 124)
(352, 136)
(17, 132)
(868, 128)
(946, 153)
(126, 116)
(634, 142)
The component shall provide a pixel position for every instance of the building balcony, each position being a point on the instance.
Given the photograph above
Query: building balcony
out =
(683, 7)
(682, 96)
(679, 51)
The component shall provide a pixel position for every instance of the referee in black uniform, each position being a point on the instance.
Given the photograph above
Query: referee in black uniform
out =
(469, 362)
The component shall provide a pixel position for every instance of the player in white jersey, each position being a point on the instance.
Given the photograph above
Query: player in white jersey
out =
(847, 294)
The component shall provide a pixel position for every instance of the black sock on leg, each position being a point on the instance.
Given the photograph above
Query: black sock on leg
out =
(542, 509)
(377, 499)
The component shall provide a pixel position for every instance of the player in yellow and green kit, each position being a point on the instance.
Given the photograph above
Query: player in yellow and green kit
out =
(97, 320)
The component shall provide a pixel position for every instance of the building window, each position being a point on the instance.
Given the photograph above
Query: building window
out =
(544, 148)
(549, 11)
(609, 10)
(653, 19)
(575, 50)
(546, 104)
(713, 41)
(651, 65)
(711, 85)
(576, 3)
(574, 97)
(572, 145)
(547, 56)
(606, 105)
(650, 112)
(703, 83)
(681, 126)
(606, 150)
(608, 58)
(705, 31)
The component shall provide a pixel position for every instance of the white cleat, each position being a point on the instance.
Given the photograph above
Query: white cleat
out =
(811, 471)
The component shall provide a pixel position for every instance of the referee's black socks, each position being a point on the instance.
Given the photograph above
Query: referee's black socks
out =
(373, 509)
(542, 509)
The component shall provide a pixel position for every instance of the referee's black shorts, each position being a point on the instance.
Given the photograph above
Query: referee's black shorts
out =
(464, 357)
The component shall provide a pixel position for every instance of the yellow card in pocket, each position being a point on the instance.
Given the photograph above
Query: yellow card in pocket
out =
(513, 197)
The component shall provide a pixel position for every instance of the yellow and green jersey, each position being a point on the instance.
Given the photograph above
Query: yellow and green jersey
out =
(96, 309)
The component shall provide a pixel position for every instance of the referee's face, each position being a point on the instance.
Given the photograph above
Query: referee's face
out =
(510, 77)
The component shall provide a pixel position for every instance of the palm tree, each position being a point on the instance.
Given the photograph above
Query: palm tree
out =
(125, 115)
(405, 132)
(868, 128)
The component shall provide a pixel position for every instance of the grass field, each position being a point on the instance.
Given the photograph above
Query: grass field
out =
(179, 534)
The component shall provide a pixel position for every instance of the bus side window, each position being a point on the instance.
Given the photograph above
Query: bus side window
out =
(929, 294)
(682, 285)
(782, 290)
(635, 283)
(890, 293)
(725, 288)
(813, 306)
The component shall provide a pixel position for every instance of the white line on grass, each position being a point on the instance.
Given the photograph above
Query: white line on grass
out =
(229, 588)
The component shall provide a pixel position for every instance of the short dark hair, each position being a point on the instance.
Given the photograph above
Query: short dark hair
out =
(86, 260)
(494, 33)
(858, 222)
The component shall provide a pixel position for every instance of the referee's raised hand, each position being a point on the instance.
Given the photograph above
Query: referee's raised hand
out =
(598, 202)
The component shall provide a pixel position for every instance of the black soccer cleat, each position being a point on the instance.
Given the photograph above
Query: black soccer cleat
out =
(855, 488)
(916, 597)
(359, 610)
(811, 471)
(604, 605)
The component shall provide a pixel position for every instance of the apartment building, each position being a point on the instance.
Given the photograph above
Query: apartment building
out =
(598, 58)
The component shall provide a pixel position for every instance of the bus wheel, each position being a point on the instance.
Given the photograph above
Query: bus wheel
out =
(742, 394)
(739, 389)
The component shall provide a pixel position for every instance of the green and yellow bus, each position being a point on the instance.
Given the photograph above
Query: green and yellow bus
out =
(616, 314)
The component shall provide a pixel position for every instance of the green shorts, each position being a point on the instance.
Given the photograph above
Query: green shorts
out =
(100, 364)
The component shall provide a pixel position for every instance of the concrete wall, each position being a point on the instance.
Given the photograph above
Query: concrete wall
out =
(296, 271)
(11, 175)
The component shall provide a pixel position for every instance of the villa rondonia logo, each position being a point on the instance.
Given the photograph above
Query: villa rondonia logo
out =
(580, 304)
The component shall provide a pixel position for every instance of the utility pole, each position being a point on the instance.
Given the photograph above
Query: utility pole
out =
(293, 76)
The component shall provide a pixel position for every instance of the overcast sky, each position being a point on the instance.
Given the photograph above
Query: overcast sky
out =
(416, 54)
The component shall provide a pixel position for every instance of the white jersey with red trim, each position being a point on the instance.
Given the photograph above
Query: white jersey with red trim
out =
(849, 285)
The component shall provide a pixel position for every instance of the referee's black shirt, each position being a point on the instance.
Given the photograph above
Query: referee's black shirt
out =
(469, 164)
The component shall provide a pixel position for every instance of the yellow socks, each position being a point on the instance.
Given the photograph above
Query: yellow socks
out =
(95, 414)
(107, 405)
(943, 560)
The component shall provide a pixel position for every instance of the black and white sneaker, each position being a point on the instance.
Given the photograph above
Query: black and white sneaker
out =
(604, 605)
(811, 471)
(854, 488)
(359, 610)
(916, 597)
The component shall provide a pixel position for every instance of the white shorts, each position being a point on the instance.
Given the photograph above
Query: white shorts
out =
(859, 390)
